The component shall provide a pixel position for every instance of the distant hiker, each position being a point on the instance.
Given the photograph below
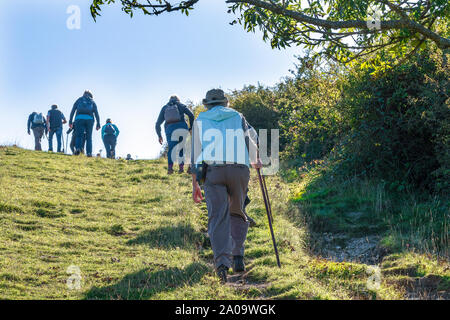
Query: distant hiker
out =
(85, 109)
(173, 116)
(55, 122)
(223, 168)
(37, 123)
(129, 157)
(110, 132)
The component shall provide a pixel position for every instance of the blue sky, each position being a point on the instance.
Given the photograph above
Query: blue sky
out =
(132, 66)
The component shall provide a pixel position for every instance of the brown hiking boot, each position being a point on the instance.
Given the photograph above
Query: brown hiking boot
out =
(170, 170)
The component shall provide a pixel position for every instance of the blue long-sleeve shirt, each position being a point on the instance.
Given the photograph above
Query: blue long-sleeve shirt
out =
(115, 128)
(90, 115)
(183, 111)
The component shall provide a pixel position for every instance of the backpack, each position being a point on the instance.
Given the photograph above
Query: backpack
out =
(86, 106)
(56, 118)
(38, 119)
(172, 114)
(109, 130)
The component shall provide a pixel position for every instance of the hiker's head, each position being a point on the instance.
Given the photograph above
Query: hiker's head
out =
(88, 93)
(215, 97)
(174, 99)
(108, 121)
(54, 107)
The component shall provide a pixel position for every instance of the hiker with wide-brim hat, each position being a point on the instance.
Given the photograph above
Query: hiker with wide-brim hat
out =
(223, 168)
(173, 116)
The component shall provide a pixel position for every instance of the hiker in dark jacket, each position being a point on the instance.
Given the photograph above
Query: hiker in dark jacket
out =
(37, 123)
(55, 122)
(85, 109)
(173, 116)
(223, 168)
(110, 132)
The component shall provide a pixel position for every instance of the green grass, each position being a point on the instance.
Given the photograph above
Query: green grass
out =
(135, 233)
(358, 207)
(413, 228)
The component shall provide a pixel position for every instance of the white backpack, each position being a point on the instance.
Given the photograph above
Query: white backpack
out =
(38, 118)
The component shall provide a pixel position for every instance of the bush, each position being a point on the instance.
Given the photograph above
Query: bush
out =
(393, 125)
(301, 106)
(257, 106)
(399, 123)
(309, 121)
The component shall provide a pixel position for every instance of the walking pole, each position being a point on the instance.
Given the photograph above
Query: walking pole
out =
(67, 142)
(269, 215)
(267, 196)
(62, 140)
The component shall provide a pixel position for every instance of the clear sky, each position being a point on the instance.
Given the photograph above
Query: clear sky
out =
(132, 66)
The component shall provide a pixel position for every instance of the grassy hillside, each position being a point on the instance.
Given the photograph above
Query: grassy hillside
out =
(135, 233)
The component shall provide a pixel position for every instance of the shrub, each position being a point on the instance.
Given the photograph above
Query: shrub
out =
(399, 123)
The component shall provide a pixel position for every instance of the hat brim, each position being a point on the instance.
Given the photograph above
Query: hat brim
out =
(209, 102)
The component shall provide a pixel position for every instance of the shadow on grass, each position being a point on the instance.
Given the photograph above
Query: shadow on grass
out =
(146, 283)
(169, 237)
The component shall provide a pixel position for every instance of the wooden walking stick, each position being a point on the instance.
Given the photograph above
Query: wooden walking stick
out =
(269, 212)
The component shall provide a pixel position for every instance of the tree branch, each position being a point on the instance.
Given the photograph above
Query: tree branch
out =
(403, 23)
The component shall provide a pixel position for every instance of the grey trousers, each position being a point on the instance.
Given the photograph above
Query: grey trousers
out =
(225, 190)
(38, 133)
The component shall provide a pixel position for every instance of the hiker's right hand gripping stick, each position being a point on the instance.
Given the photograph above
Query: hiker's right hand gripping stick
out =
(265, 194)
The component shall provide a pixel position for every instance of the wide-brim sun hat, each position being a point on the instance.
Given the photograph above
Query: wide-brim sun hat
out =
(214, 97)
